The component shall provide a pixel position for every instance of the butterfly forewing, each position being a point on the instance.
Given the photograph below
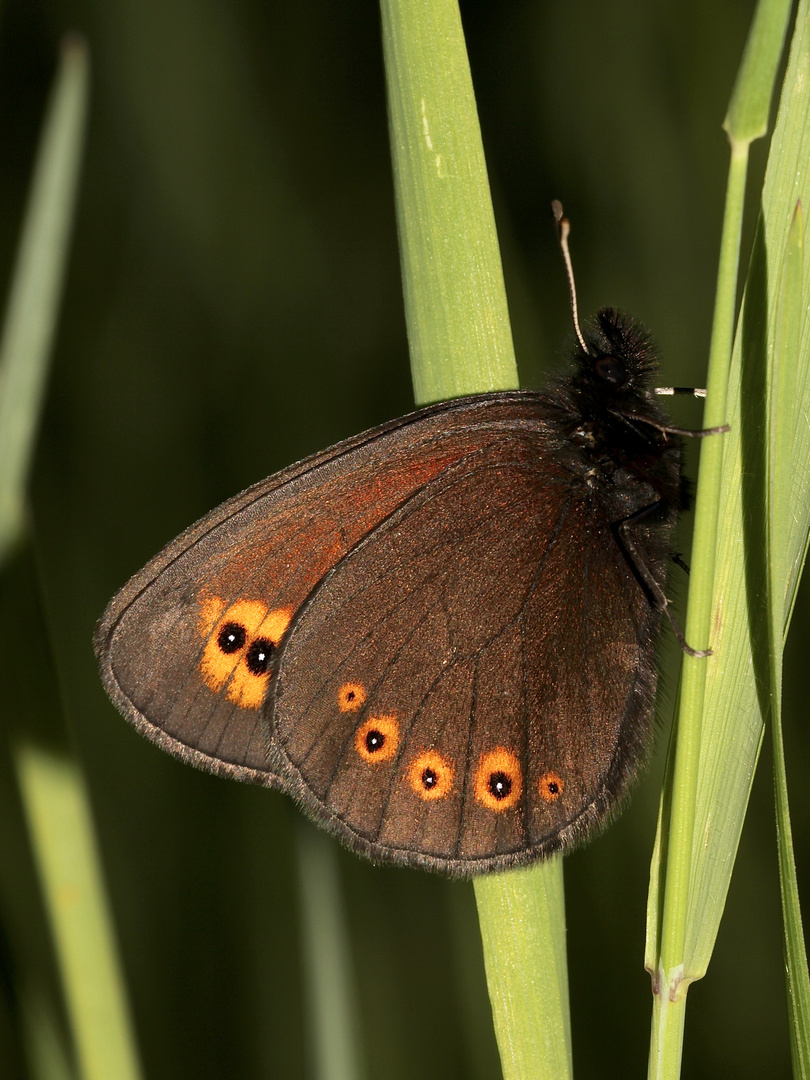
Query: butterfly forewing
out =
(186, 647)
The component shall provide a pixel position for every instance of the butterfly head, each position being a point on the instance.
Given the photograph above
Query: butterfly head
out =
(615, 412)
(619, 362)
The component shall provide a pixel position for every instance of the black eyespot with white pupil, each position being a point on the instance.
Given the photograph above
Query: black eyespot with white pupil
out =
(610, 371)
(500, 785)
(375, 740)
(231, 637)
(429, 778)
(258, 656)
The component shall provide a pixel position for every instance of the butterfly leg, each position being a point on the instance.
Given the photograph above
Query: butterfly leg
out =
(624, 535)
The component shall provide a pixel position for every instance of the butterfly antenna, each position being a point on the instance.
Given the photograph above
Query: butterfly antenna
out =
(563, 229)
(671, 391)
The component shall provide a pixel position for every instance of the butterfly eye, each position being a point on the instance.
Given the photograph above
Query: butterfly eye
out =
(498, 780)
(550, 787)
(611, 371)
(377, 739)
(431, 776)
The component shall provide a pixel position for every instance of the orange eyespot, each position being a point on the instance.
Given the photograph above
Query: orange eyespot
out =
(550, 786)
(351, 697)
(239, 644)
(498, 780)
(377, 739)
(431, 775)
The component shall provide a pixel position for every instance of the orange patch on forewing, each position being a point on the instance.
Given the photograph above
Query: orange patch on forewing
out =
(498, 780)
(211, 607)
(550, 785)
(431, 775)
(351, 697)
(230, 670)
(377, 739)
(275, 624)
(246, 689)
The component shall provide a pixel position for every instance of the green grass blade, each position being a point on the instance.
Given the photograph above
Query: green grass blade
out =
(703, 804)
(331, 1000)
(523, 915)
(33, 303)
(732, 728)
(57, 810)
(455, 303)
(750, 106)
(52, 789)
(782, 421)
(782, 418)
(48, 1057)
(461, 342)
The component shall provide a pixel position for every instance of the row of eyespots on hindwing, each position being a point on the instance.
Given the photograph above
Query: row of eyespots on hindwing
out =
(498, 779)
(240, 640)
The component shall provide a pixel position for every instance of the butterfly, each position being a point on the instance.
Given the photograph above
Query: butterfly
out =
(437, 636)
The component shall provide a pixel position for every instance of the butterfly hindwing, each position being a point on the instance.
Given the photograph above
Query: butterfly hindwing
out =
(456, 691)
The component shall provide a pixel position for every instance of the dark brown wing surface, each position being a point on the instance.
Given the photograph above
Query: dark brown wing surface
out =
(186, 648)
(459, 692)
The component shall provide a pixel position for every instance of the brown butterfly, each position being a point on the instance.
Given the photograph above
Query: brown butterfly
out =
(438, 636)
(433, 635)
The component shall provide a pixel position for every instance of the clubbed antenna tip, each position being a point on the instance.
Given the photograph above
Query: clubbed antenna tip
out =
(563, 229)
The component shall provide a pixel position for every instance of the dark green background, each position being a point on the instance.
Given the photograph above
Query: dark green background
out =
(233, 303)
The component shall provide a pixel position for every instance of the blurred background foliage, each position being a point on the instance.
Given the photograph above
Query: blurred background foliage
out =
(233, 303)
